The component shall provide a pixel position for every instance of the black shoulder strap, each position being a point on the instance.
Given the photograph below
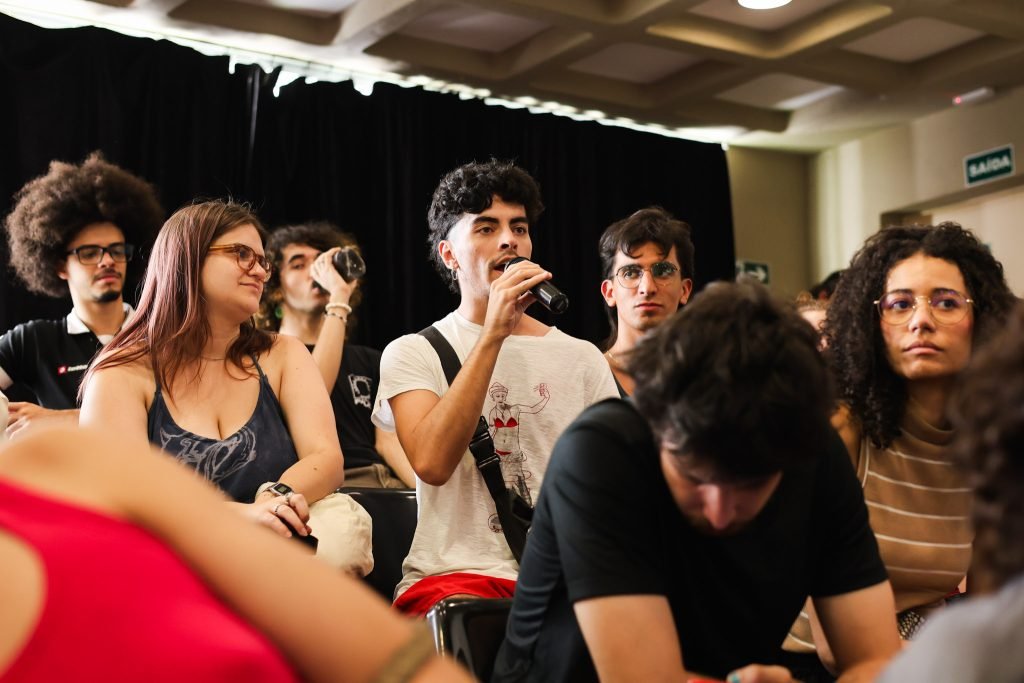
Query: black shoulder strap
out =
(481, 445)
(449, 359)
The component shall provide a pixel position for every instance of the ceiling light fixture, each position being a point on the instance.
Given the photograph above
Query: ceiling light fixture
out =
(762, 4)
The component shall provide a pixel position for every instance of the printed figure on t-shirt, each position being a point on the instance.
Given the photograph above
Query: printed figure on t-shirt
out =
(504, 421)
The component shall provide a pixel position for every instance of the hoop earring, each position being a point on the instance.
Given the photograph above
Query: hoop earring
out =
(279, 312)
(455, 275)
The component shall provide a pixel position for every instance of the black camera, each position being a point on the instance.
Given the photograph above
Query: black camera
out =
(349, 264)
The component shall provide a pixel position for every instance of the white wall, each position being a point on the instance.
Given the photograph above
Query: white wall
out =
(998, 222)
(916, 167)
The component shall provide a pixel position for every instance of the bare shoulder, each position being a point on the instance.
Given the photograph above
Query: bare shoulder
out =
(130, 379)
(285, 355)
(285, 351)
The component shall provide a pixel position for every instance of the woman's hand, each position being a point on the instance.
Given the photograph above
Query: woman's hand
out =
(283, 514)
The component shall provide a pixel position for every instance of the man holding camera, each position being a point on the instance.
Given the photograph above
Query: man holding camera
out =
(525, 379)
(72, 231)
(312, 294)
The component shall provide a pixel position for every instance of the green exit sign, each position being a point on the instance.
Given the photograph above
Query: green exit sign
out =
(988, 165)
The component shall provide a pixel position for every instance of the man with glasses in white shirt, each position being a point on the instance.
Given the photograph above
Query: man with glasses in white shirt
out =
(72, 231)
(647, 260)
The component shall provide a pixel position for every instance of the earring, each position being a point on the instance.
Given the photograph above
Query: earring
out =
(455, 275)
(279, 311)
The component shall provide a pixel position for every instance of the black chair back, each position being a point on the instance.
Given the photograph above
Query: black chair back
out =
(394, 522)
(470, 630)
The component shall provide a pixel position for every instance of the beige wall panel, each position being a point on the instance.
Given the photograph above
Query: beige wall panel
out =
(769, 208)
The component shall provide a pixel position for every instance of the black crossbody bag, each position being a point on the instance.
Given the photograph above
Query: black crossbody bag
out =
(514, 513)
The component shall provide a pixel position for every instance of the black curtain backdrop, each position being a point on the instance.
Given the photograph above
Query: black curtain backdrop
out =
(324, 151)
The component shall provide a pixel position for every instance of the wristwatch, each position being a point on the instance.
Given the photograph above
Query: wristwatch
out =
(280, 489)
(276, 487)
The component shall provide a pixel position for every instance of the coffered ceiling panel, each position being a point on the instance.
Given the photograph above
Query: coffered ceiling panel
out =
(808, 75)
(634, 62)
(913, 40)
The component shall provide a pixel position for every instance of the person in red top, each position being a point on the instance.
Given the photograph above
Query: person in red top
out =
(116, 569)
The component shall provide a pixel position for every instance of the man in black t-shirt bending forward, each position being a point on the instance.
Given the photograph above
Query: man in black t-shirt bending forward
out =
(681, 533)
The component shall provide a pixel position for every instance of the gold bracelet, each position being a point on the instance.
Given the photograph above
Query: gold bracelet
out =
(344, 307)
(405, 662)
(335, 315)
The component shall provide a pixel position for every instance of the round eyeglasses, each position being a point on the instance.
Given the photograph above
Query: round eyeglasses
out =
(91, 254)
(629, 276)
(947, 306)
(247, 257)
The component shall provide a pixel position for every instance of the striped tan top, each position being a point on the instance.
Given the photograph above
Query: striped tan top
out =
(919, 507)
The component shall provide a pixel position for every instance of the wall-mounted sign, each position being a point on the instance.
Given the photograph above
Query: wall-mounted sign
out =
(759, 270)
(988, 165)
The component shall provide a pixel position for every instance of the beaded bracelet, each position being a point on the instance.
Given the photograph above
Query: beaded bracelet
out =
(344, 307)
(335, 315)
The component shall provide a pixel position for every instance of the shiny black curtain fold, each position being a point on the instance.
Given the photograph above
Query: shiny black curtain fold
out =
(324, 151)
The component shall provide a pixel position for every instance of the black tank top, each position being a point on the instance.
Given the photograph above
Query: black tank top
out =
(258, 452)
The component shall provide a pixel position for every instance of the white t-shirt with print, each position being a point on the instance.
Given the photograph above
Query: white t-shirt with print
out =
(545, 381)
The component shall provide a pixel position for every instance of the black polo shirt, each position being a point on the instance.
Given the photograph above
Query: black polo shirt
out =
(50, 357)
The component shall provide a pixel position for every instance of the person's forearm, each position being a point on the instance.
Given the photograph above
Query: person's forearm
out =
(329, 349)
(315, 475)
(437, 443)
(390, 450)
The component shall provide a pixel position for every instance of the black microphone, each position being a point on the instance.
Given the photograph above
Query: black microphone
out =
(547, 294)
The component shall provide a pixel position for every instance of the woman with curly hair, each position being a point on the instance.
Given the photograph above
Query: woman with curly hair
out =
(192, 373)
(73, 230)
(979, 641)
(900, 328)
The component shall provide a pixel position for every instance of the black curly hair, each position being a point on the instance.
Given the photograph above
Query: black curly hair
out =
(51, 209)
(736, 382)
(321, 235)
(987, 412)
(470, 189)
(875, 394)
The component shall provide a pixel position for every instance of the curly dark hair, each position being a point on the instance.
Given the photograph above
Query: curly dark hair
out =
(875, 394)
(321, 235)
(736, 382)
(470, 189)
(51, 209)
(987, 414)
(653, 224)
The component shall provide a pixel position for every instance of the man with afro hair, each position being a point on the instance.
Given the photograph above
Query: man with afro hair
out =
(72, 231)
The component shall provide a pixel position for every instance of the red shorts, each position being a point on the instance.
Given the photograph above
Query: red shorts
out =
(423, 594)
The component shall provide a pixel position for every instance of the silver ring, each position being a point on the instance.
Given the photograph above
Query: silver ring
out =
(274, 511)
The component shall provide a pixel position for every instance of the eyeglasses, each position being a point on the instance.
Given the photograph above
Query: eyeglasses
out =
(630, 276)
(91, 254)
(947, 306)
(247, 257)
